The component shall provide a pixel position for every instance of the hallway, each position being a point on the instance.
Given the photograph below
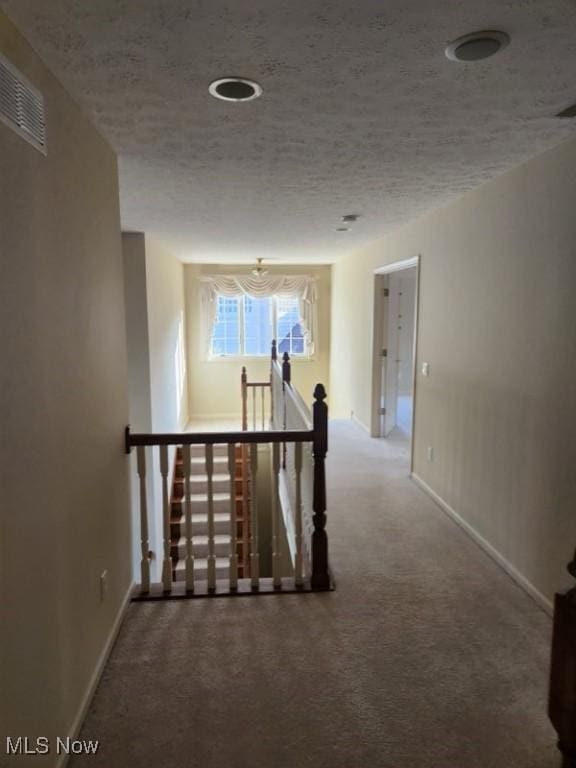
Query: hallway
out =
(426, 654)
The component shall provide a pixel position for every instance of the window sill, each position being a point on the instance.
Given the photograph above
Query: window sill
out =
(258, 359)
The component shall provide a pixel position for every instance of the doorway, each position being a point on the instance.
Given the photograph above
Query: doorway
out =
(395, 332)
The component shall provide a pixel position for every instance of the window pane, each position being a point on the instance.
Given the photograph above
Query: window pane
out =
(226, 334)
(290, 331)
(257, 325)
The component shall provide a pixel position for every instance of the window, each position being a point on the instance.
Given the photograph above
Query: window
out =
(246, 325)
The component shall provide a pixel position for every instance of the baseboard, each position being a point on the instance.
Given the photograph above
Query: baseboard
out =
(359, 423)
(498, 558)
(95, 679)
(215, 416)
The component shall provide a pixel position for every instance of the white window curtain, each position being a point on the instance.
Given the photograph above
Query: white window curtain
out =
(232, 286)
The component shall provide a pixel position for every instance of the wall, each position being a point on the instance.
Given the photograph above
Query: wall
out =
(138, 354)
(166, 331)
(64, 487)
(498, 327)
(214, 386)
(157, 368)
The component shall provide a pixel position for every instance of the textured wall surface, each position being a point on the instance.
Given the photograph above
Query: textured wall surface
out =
(498, 328)
(361, 111)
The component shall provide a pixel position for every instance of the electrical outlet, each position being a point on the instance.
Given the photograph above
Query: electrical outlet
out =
(425, 369)
(430, 453)
(103, 585)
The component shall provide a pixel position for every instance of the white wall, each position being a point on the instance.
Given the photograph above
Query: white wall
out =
(64, 485)
(157, 369)
(498, 327)
(166, 332)
(139, 397)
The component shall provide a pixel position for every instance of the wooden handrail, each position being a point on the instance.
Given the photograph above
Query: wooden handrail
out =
(212, 438)
(257, 383)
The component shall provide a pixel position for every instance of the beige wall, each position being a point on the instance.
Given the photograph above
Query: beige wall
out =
(498, 327)
(158, 390)
(214, 386)
(166, 332)
(64, 515)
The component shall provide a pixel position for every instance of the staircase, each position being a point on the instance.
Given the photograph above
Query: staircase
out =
(214, 525)
(199, 504)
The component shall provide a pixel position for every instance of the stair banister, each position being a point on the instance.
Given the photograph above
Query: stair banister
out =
(244, 395)
(306, 500)
(320, 575)
(186, 466)
(144, 546)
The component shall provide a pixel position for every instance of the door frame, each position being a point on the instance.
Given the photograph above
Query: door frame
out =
(378, 342)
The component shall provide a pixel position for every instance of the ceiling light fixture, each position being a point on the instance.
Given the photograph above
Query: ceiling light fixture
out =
(477, 46)
(259, 270)
(235, 89)
(351, 217)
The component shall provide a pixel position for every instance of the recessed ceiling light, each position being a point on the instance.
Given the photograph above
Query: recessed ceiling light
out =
(477, 46)
(235, 89)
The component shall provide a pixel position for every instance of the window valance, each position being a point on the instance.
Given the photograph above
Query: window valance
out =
(231, 286)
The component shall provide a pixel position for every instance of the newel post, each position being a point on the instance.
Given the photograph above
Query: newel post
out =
(320, 577)
(562, 696)
(244, 389)
(286, 368)
(274, 351)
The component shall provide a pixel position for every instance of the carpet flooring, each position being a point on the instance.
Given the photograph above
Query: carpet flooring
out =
(426, 655)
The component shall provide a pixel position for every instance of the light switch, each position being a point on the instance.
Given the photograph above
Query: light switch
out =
(425, 369)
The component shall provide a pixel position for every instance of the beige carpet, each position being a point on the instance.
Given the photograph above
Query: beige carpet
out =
(426, 655)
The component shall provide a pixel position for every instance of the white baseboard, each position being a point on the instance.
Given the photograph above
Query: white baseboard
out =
(498, 558)
(95, 679)
(359, 423)
(215, 417)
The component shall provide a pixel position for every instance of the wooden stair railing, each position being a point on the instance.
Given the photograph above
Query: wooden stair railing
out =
(236, 545)
(258, 414)
(562, 696)
(242, 564)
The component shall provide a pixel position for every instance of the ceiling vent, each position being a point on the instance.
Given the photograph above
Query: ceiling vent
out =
(21, 106)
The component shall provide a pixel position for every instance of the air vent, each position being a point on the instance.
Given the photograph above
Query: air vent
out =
(21, 106)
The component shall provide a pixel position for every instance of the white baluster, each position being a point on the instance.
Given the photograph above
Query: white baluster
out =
(167, 562)
(144, 546)
(254, 554)
(263, 393)
(254, 407)
(276, 556)
(210, 487)
(298, 514)
(188, 512)
(233, 543)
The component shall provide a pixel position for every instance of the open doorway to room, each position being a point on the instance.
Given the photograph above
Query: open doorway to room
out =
(395, 326)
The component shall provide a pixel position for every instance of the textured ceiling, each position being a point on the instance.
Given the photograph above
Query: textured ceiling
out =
(361, 112)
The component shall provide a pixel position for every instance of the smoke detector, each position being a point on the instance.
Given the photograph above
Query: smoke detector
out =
(235, 89)
(477, 46)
